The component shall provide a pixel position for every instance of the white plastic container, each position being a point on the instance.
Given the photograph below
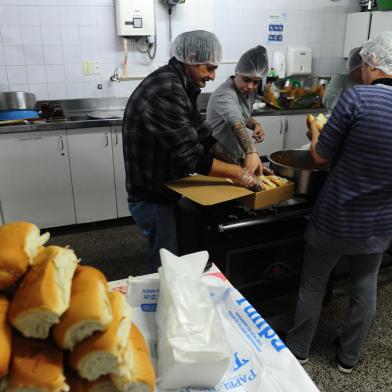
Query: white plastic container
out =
(299, 61)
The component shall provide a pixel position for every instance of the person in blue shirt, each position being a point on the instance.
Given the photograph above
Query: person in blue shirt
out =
(352, 216)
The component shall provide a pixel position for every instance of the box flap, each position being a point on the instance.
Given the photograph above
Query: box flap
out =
(207, 190)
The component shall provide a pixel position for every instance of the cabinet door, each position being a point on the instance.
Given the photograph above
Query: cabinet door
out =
(119, 173)
(91, 160)
(35, 181)
(357, 30)
(381, 21)
(274, 132)
(295, 135)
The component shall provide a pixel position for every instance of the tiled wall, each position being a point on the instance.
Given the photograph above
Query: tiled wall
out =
(43, 43)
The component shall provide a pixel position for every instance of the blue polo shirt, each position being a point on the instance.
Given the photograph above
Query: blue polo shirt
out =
(353, 213)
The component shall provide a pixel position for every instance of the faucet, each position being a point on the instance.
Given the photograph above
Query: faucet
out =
(115, 77)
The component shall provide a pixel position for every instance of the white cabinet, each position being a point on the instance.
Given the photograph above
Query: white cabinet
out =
(35, 182)
(274, 132)
(91, 161)
(119, 172)
(381, 21)
(360, 26)
(295, 131)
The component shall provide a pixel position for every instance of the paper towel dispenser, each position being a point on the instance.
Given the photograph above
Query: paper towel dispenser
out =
(299, 61)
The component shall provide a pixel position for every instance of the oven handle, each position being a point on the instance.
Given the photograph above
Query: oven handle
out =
(253, 222)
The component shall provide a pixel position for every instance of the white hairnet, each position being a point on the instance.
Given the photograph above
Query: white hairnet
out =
(253, 62)
(377, 52)
(197, 47)
(354, 60)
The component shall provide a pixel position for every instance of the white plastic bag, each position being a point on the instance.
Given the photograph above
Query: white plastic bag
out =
(193, 350)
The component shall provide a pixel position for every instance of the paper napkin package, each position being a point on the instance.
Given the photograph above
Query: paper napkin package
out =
(193, 350)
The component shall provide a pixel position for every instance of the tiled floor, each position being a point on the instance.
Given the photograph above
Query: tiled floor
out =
(118, 249)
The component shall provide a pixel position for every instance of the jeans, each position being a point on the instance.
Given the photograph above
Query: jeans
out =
(315, 273)
(158, 224)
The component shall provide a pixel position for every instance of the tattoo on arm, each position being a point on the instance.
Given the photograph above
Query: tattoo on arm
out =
(242, 135)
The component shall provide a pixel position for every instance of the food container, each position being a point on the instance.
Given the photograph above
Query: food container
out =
(384, 5)
(17, 105)
(298, 166)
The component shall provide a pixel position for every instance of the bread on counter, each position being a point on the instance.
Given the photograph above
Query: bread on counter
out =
(78, 384)
(36, 365)
(136, 372)
(89, 308)
(5, 340)
(100, 353)
(19, 244)
(44, 294)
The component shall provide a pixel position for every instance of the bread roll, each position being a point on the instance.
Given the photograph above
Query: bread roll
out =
(78, 384)
(278, 181)
(89, 309)
(321, 120)
(267, 184)
(36, 366)
(5, 338)
(99, 354)
(136, 373)
(20, 242)
(44, 294)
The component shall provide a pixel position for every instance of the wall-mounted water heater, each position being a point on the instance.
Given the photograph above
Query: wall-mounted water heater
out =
(135, 18)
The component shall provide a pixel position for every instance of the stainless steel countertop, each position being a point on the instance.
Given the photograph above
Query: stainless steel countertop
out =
(86, 122)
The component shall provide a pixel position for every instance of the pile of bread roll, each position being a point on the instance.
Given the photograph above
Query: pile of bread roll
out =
(272, 181)
(61, 329)
(321, 120)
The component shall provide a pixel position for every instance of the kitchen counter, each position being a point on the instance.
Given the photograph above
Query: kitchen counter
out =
(90, 123)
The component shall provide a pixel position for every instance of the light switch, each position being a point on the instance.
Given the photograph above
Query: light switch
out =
(97, 67)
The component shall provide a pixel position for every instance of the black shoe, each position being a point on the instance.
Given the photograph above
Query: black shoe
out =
(342, 367)
(302, 360)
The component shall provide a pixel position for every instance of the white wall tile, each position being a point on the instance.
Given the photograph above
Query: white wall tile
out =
(51, 35)
(11, 35)
(68, 16)
(3, 75)
(36, 74)
(70, 35)
(28, 16)
(40, 91)
(49, 16)
(87, 16)
(55, 73)
(31, 35)
(51, 38)
(57, 91)
(33, 54)
(53, 55)
(9, 15)
(14, 55)
(16, 74)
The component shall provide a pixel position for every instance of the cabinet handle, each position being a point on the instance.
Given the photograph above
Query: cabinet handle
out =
(106, 139)
(115, 138)
(286, 125)
(281, 128)
(61, 142)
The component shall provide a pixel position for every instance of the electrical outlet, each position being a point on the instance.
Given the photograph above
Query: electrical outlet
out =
(87, 67)
(97, 67)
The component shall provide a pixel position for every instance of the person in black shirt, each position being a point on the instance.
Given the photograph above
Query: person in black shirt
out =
(166, 138)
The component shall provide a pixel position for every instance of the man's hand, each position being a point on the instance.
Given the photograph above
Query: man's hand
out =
(258, 133)
(252, 163)
(248, 181)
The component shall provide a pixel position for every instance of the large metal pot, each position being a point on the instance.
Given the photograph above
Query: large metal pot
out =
(17, 100)
(298, 166)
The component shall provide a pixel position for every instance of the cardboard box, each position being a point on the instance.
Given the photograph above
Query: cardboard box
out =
(207, 191)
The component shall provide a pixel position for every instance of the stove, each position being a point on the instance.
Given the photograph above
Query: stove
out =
(259, 251)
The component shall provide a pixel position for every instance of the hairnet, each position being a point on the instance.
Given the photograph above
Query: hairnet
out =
(253, 62)
(197, 47)
(354, 60)
(377, 52)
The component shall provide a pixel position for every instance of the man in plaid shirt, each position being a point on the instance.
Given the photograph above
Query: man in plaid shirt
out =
(165, 138)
